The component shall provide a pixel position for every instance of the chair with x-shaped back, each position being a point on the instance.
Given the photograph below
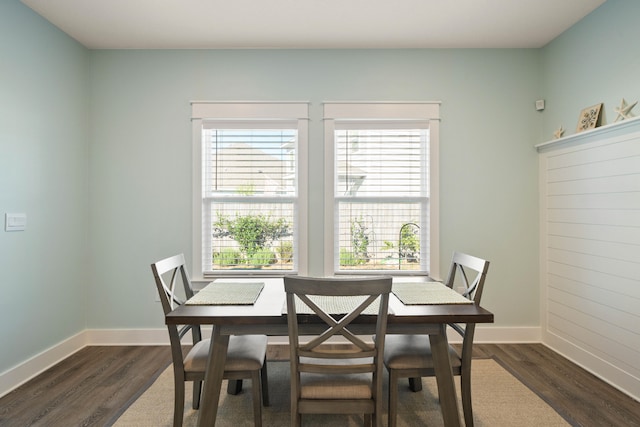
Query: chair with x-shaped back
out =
(326, 378)
(246, 355)
(409, 356)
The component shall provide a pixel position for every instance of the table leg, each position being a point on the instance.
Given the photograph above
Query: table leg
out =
(444, 377)
(213, 378)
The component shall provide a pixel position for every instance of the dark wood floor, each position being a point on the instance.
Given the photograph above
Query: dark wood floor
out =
(94, 386)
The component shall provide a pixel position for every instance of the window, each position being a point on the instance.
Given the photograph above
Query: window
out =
(381, 172)
(250, 162)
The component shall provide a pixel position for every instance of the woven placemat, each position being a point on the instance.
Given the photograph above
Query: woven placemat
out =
(422, 293)
(227, 293)
(336, 305)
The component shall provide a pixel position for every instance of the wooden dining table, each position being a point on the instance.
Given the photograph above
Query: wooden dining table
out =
(267, 315)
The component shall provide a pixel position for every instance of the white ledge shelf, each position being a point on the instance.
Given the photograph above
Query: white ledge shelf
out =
(627, 125)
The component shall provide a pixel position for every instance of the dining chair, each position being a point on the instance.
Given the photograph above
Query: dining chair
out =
(246, 354)
(330, 378)
(409, 356)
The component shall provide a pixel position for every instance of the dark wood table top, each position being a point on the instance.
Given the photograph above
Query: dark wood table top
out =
(269, 310)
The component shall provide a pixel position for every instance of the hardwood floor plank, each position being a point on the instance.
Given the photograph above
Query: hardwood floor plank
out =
(94, 386)
(572, 391)
(87, 389)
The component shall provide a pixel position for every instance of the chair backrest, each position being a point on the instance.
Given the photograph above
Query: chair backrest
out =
(469, 273)
(168, 273)
(307, 295)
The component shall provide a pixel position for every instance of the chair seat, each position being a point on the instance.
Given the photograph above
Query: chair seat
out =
(349, 386)
(346, 386)
(245, 353)
(413, 352)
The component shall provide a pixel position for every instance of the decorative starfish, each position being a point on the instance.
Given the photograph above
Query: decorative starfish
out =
(558, 133)
(624, 110)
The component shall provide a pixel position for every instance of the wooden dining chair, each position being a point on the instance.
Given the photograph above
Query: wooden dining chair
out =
(409, 356)
(328, 378)
(246, 355)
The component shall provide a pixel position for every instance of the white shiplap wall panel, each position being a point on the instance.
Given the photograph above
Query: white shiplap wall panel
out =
(594, 171)
(611, 266)
(590, 251)
(600, 248)
(595, 231)
(623, 286)
(621, 221)
(592, 293)
(623, 146)
(597, 202)
(600, 316)
(622, 183)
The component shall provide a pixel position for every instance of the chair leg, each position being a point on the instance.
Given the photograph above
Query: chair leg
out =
(257, 398)
(415, 384)
(178, 406)
(197, 390)
(393, 397)
(368, 422)
(296, 418)
(264, 383)
(234, 387)
(465, 388)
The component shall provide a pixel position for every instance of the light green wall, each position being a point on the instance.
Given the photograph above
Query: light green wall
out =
(597, 60)
(43, 173)
(140, 163)
(96, 150)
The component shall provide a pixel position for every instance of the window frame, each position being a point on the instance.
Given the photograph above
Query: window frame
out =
(379, 112)
(202, 113)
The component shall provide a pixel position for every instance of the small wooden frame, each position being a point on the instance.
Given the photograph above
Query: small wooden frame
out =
(589, 118)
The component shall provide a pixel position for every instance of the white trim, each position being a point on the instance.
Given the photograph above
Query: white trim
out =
(250, 110)
(381, 102)
(248, 102)
(156, 336)
(577, 138)
(485, 334)
(302, 194)
(330, 246)
(35, 365)
(381, 111)
(434, 199)
(196, 206)
(616, 377)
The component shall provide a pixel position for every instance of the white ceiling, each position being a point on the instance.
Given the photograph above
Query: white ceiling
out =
(202, 24)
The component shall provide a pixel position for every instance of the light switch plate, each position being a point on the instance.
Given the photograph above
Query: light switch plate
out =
(15, 222)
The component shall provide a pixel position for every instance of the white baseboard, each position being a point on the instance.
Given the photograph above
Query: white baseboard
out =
(22, 373)
(156, 336)
(613, 375)
(486, 334)
(39, 363)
